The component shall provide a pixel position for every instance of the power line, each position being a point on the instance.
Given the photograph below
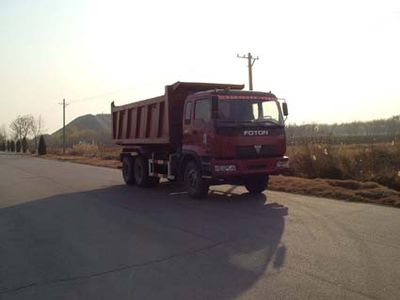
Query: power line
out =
(250, 62)
(99, 95)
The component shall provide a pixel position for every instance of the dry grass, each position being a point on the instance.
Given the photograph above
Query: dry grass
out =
(93, 161)
(88, 151)
(349, 190)
(87, 154)
(361, 162)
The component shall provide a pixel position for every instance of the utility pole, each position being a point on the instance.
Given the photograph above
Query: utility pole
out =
(250, 62)
(64, 105)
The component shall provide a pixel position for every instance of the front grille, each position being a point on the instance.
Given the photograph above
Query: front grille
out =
(251, 152)
(239, 131)
(257, 167)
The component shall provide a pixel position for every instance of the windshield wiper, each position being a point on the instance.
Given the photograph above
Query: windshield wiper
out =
(269, 121)
(249, 122)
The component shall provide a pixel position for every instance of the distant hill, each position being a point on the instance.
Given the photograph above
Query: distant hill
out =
(85, 129)
(101, 122)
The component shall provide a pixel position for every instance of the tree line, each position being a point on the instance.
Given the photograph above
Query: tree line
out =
(21, 129)
(383, 130)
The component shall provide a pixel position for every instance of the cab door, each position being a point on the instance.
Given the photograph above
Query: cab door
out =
(202, 124)
(187, 125)
(197, 125)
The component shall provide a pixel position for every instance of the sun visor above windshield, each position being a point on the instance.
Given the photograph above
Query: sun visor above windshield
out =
(200, 86)
(244, 97)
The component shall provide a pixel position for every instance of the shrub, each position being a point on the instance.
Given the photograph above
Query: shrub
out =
(12, 146)
(18, 146)
(24, 145)
(42, 146)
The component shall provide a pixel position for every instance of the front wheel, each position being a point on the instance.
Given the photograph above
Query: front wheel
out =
(256, 185)
(196, 186)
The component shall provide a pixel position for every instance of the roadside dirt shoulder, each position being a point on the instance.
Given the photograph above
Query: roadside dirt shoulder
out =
(348, 190)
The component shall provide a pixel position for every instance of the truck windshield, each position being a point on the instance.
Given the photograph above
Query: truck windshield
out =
(238, 110)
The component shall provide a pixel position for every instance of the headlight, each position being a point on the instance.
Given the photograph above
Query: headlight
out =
(224, 168)
(282, 164)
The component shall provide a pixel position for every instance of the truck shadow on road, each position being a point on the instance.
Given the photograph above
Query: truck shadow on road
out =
(123, 242)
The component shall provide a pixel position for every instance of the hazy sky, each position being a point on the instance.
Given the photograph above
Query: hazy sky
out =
(334, 61)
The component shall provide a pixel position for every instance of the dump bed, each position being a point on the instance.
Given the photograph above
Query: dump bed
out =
(158, 120)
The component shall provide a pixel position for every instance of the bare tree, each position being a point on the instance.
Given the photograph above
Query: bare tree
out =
(37, 128)
(21, 127)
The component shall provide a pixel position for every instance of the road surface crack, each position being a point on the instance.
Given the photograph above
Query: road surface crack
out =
(114, 270)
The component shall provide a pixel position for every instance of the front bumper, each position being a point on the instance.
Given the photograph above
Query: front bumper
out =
(237, 167)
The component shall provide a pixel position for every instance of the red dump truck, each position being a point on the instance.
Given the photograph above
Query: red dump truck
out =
(202, 134)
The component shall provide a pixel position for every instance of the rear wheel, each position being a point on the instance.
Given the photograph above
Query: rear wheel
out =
(141, 173)
(127, 170)
(196, 186)
(257, 184)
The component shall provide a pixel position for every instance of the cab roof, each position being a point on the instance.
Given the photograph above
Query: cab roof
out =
(228, 92)
(203, 86)
(200, 88)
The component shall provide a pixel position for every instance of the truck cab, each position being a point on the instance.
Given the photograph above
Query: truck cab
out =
(238, 137)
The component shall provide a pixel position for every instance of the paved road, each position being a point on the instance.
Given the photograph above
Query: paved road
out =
(70, 231)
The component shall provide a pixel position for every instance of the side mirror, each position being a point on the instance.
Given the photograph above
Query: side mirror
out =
(285, 109)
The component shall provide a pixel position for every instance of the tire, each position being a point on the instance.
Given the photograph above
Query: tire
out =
(196, 186)
(258, 184)
(127, 170)
(141, 173)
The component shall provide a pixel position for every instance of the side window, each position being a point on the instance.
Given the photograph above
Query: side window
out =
(270, 110)
(202, 110)
(188, 112)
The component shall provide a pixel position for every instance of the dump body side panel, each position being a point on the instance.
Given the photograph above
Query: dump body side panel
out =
(143, 122)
